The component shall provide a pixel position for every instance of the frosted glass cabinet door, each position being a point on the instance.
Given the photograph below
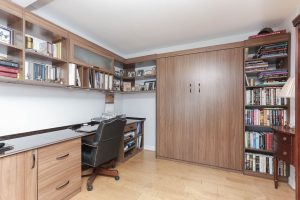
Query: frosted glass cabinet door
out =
(93, 59)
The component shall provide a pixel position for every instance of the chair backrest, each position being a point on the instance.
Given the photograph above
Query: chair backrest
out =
(108, 140)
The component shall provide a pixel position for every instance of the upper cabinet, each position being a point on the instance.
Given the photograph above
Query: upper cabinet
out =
(84, 53)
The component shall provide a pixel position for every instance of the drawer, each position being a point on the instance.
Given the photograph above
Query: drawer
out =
(57, 158)
(130, 127)
(284, 153)
(282, 139)
(60, 186)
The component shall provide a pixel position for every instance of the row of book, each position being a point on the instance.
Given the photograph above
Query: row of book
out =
(9, 69)
(264, 96)
(139, 143)
(43, 47)
(129, 135)
(259, 163)
(263, 164)
(274, 74)
(42, 72)
(96, 79)
(266, 117)
(259, 140)
(272, 50)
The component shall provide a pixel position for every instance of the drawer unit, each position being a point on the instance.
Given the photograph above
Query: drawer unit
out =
(60, 186)
(130, 127)
(59, 170)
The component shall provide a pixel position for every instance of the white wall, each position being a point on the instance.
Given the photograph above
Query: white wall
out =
(26, 108)
(140, 105)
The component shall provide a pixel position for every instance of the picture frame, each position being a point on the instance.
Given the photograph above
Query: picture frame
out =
(6, 35)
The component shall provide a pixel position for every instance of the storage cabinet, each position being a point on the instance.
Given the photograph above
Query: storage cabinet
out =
(200, 108)
(19, 176)
(52, 172)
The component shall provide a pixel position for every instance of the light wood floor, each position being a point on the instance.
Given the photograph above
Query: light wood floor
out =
(146, 178)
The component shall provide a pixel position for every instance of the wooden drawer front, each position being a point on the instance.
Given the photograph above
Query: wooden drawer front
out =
(58, 157)
(282, 139)
(61, 185)
(283, 152)
(130, 127)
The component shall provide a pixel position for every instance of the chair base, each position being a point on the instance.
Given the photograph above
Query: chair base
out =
(104, 171)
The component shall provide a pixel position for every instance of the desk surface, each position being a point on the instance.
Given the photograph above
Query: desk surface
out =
(40, 140)
(27, 143)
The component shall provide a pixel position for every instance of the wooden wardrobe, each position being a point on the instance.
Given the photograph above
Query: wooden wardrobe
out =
(200, 107)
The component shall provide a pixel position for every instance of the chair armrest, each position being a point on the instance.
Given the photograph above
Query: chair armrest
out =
(89, 143)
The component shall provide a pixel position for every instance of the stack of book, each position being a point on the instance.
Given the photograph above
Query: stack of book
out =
(129, 145)
(266, 117)
(275, 74)
(259, 140)
(129, 135)
(9, 69)
(101, 80)
(282, 168)
(256, 66)
(264, 96)
(259, 163)
(273, 50)
(43, 47)
(42, 72)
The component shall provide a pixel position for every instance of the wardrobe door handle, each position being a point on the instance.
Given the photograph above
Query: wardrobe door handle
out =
(190, 88)
(33, 161)
(63, 185)
(199, 87)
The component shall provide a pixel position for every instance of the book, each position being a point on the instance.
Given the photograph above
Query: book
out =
(8, 69)
(78, 81)
(72, 74)
(9, 63)
(10, 75)
(267, 34)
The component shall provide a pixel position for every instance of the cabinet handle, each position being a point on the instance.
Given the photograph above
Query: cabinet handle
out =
(62, 157)
(33, 161)
(63, 185)
(284, 153)
(284, 138)
(199, 87)
(190, 88)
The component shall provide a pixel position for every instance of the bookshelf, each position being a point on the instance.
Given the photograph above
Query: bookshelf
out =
(133, 139)
(135, 78)
(266, 69)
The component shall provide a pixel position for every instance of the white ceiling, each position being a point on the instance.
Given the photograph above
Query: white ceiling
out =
(133, 27)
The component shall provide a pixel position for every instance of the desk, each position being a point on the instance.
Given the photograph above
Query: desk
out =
(283, 141)
(133, 137)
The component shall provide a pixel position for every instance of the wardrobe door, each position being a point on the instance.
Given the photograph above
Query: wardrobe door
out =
(220, 112)
(174, 91)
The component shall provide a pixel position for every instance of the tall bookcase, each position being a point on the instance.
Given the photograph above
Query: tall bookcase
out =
(266, 69)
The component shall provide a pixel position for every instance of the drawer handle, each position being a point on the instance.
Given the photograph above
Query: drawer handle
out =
(63, 185)
(62, 157)
(284, 139)
(33, 161)
(284, 153)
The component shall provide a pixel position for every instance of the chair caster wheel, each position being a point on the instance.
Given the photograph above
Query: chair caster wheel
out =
(117, 178)
(89, 187)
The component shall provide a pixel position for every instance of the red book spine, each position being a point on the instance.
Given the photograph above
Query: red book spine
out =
(8, 69)
(268, 34)
(11, 75)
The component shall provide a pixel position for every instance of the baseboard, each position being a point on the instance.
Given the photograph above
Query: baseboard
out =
(150, 148)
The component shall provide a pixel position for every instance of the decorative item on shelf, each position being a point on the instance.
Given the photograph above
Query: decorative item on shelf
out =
(6, 35)
(131, 74)
(121, 72)
(126, 86)
(140, 72)
(28, 42)
(288, 91)
(148, 73)
(150, 85)
(133, 89)
(117, 73)
(137, 87)
(154, 71)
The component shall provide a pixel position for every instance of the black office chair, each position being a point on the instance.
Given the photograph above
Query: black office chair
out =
(101, 151)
